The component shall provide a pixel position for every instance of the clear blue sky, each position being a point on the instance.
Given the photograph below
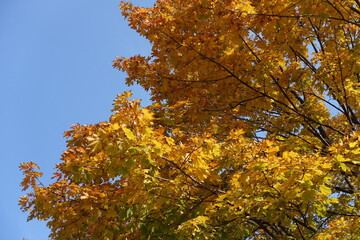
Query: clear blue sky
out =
(55, 70)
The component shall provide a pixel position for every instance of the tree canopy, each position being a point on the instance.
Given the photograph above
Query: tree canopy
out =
(253, 131)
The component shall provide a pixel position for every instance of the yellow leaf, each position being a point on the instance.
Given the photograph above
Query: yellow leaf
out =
(229, 51)
(170, 141)
(115, 126)
(325, 190)
(129, 133)
(274, 149)
(352, 144)
(340, 158)
(327, 165)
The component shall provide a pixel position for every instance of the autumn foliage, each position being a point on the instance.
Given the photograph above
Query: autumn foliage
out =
(253, 132)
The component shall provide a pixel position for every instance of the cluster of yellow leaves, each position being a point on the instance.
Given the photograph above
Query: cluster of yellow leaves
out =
(253, 131)
(138, 178)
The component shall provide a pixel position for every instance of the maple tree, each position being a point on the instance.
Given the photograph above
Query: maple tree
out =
(253, 132)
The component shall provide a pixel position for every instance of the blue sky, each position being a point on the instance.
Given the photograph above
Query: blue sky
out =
(55, 71)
